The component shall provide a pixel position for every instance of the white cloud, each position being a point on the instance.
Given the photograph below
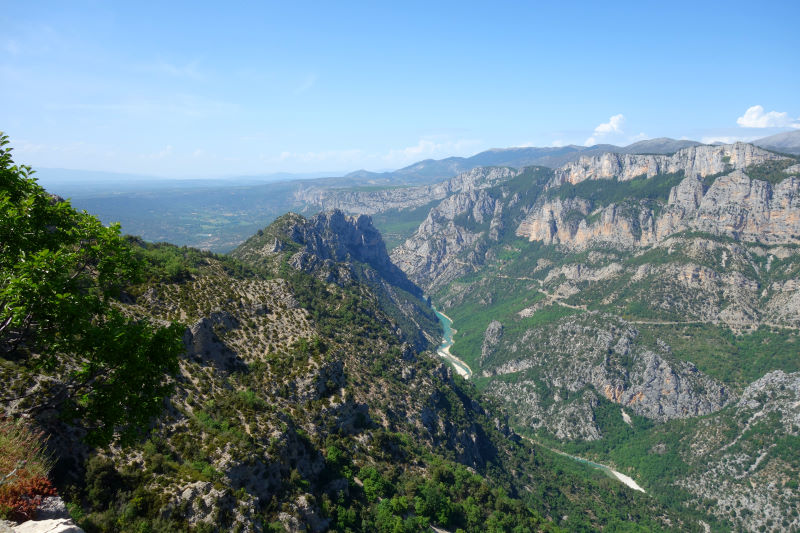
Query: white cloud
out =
(614, 125)
(755, 117)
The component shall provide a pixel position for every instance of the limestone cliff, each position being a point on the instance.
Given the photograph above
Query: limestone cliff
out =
(371, 202)
(431, 257)
(734, 205)
(738, 207)
(695, 161)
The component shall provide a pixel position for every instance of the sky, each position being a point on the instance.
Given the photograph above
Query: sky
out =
(202, 89)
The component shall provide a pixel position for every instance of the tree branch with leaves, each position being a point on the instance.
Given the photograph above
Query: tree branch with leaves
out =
(61, 274)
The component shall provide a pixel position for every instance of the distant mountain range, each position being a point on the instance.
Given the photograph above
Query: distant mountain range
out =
(787, 142)
(432, 170)
(87, 183)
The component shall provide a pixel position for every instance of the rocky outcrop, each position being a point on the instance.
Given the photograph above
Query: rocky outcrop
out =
(346, 250)
(583, 272)
(54, 525)
(603, 354)
(734, 206)
(695, 161)
(491, 338)
(334, 236)
(203, 341)
(442, 248)
(371, 202)
(51, 517)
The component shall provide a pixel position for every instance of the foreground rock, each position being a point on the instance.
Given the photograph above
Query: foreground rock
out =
(56, 525)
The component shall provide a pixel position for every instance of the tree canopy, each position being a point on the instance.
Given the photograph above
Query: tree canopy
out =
(61, 274)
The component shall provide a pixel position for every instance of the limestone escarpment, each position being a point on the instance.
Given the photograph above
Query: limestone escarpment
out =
(695, 161)
(565, 222)
(738, 207)
(734, 205)
(371, 202)
(687, 193)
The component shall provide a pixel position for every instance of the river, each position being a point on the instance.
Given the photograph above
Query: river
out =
(460, 366)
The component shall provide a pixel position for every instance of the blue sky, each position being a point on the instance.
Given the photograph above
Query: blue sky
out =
(209, 89)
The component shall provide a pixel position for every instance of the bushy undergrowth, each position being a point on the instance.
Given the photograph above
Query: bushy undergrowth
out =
(24, 465)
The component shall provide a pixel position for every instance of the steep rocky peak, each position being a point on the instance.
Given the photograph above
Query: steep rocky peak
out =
(334, 235)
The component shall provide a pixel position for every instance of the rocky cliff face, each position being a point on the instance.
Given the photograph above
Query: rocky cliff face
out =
(733, 205)
(457, 233)
(371, 202)
(695, 161)
(565, 222)
(433, 255)
(564, 369)
(737, 207)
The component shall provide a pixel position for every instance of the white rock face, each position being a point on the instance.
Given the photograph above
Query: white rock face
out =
(59, 525)
(694, 161)
(734, 206)
(52, 507)
(428, 257)
(562, 222)
(751, 210)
